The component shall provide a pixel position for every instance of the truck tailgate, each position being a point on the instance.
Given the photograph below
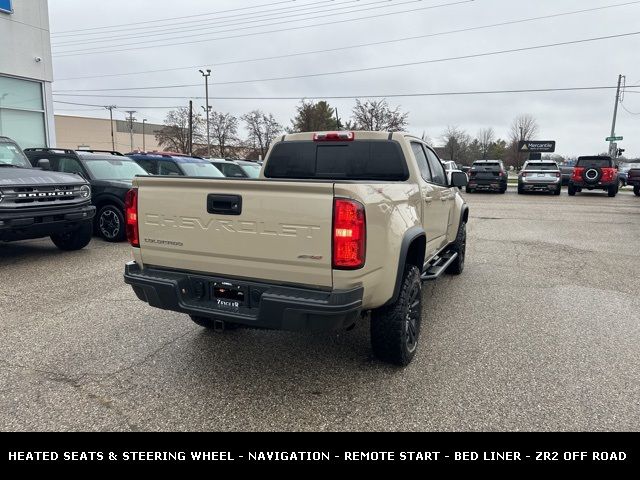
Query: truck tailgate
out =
(275, 231)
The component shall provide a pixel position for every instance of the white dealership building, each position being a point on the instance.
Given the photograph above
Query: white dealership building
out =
(26, 73)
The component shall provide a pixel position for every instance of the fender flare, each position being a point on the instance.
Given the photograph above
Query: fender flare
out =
(464, 215)
(409, 236)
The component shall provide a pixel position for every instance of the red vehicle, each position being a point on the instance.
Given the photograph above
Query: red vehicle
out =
(594, 173)
(633, 179)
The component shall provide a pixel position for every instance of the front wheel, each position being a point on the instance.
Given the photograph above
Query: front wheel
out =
(395, 328)
(74, 240)
(459, 247)
(468, 190)
(110, 224)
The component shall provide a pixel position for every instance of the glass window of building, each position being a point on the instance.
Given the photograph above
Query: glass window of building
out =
(22, 116)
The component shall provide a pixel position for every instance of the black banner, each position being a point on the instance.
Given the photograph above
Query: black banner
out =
(537, 146)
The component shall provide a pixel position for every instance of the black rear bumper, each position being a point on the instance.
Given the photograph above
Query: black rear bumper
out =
(593, 186)
(29, 224)
(266, 305)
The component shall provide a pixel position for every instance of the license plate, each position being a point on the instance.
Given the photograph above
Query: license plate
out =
(229, 296)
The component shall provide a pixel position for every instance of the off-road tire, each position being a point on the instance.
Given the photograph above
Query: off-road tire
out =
(460, 247)
(612, 191)
(636, 190)
(75, 239)
(395, 328)
(110, 224)
(208, 323)
(571, 190)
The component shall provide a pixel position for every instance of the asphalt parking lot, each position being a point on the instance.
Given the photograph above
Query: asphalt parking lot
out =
(541, 332)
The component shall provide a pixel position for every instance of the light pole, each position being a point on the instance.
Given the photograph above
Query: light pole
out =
(131, 120)
(206, 90)
(113, 142)
(144, 143)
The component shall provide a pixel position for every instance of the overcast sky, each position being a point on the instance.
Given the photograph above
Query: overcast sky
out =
(578, 120)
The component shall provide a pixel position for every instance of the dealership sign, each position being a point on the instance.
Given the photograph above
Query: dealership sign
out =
(5, 6)
(537, 146)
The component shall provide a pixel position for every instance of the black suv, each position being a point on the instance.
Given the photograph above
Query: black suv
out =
(110, 175)
(163, 163)
(487, 175)
(36, 203)
(594, 173)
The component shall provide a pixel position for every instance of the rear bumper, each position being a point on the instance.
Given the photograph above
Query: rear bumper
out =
(540, 186)
(23, 225)
(593, 186)
(266, 305)
(486, 184)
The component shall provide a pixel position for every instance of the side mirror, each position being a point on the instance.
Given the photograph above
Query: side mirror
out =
(44, 164)
(459, 179)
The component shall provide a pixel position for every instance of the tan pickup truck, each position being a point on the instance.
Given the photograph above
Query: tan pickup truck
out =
(339, 225)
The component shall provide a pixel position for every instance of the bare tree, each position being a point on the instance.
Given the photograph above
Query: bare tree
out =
(262, 129)
(456, 144)
(524, 127)
(486, 138)
(175, 133)
(224, 128)
(376, 115)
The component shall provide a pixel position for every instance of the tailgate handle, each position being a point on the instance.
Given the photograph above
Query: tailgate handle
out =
(224, 204)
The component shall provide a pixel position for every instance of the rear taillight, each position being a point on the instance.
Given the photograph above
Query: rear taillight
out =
(608, 174)
(349, 234)
(472, 173)
(334, 137)
(557, 174)
(524, 174)
(131, 217)
(501, 173)
(577, 173)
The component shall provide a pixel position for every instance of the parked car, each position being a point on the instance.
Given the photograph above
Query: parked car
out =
(169, 163)
(109, 174)
(229, 168)
(540, 176)
(36, 203)
(487, 175)
(314, 248)
(633, 179)
(252, 169)
(566, 171)
(594, 173)
(623, 173)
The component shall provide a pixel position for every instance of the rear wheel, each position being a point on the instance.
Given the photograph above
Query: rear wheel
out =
(74, 240)
(612, 191)
(572, 190)
(636, 190)
(558, 190)
(520, 190)
(110, 224)
(395, 328)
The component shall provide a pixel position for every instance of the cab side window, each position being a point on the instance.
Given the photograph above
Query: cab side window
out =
(421, 158)
(148, 165)
(437, 170)
(168, 168)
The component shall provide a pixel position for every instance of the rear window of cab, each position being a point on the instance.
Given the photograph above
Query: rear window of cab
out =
(355, 160)
(589, 162)
(542, 166)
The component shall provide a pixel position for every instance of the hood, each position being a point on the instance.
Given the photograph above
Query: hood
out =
(32, 176)
(124, 184)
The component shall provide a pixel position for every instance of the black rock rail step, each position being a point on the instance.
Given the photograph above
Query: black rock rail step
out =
(439, 265)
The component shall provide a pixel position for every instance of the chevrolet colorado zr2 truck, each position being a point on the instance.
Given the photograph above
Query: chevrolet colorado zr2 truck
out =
(338, 225)
(36, 203)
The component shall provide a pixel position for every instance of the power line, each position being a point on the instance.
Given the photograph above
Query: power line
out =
(170, 18)
(102, 106)
(627, 110)
(72, 53)
(211, 30)
(368, 69)
(383, 42)
(329, 97)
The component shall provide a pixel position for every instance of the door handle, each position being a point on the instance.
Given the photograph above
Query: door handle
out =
(427, 198)
(444, 199)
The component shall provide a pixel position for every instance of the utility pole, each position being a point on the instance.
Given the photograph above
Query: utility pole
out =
(190, 138)
(113, 142)
(131, 119)
(612, 146)
(144, 143)
(206, 90)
